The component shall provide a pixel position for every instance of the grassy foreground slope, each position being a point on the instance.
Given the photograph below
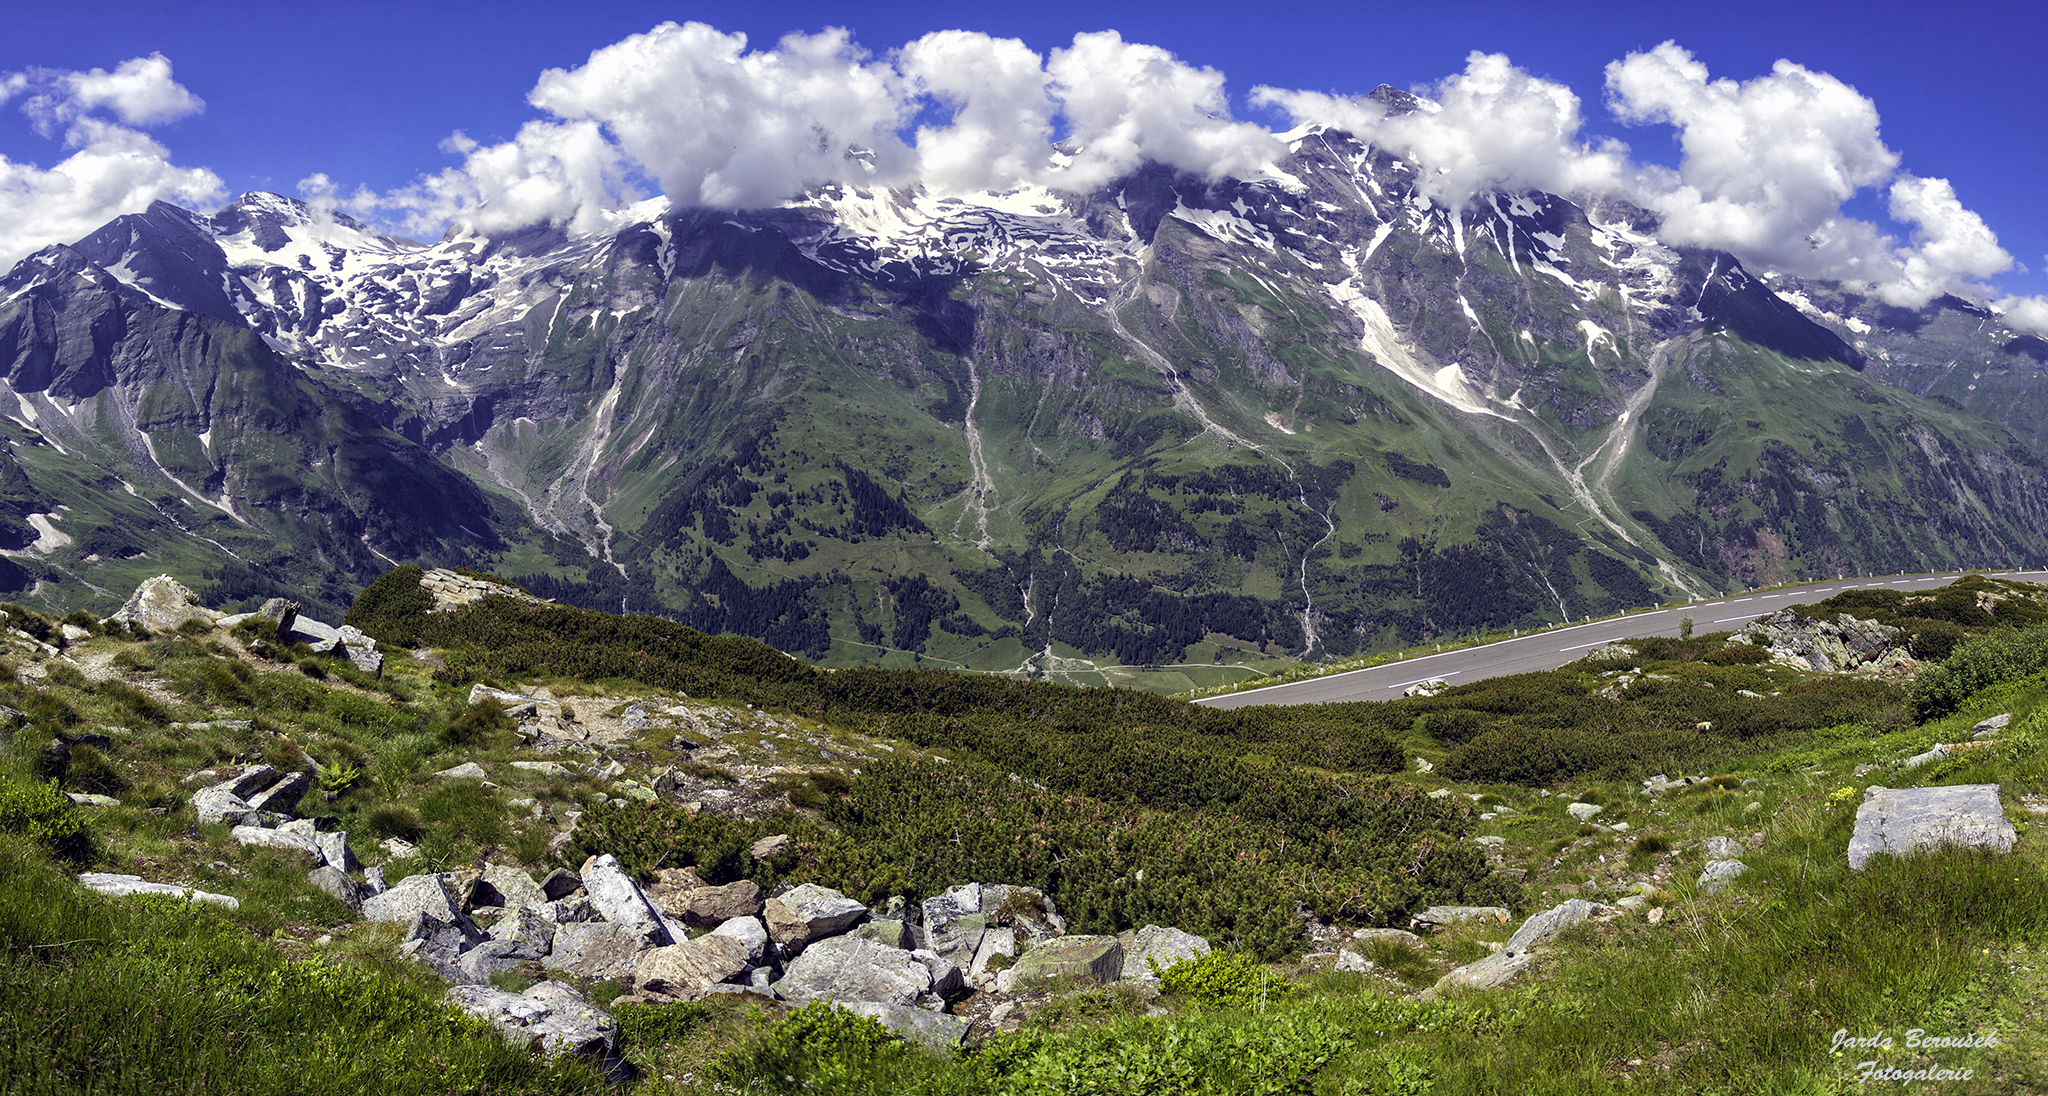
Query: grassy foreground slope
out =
(1277, 833)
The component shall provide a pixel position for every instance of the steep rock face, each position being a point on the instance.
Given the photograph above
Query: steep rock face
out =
(1176, 420)
(201, 443)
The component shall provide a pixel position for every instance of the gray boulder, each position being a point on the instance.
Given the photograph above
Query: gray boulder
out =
(1399, 936)
(337, 883)
(1992, 726)
(703, 907)
(251, 780)
(220, 804)
(892, 932)
(322, 638)
(334, 851)
(1845, 644)
(493, 957)
(943, 909)
(935, 1030)
(1098, 959)
(1501, 966)
(440, 945)
(960, 938)
(109, 883)
(619, 900)
(284, 795)
(808, 913)
(1485, 973)
(468, 770)
(1903, 820)
(278, 839)
(163, 603)
(414, 895)
(995, 944)
(279, 612)
(596, 949)
(367, 659)
(947, 978)
(507, 886)
(569, 911)
(551, 1013)
(1540, 928)
(1721, 848)
(848, 968)
(527, 926)
(1720, 873)
(751, 934)
(685, 971)
(1162, 947)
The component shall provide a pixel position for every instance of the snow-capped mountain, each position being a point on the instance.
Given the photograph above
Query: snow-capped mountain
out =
(1174, 419)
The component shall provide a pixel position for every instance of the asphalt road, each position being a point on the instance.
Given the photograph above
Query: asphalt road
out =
(1551, 649)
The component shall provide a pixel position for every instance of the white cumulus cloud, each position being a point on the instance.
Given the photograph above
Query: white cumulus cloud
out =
(1493, 127)
(693, 111)
(1127, 103)
(111, 168)
(1766, 164)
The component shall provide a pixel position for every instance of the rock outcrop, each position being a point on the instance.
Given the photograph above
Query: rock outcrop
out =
(1845, 644)
(163, 604)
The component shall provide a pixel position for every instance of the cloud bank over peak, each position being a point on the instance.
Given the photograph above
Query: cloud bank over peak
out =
(1766, 167)
(691, 111)
(113, 168)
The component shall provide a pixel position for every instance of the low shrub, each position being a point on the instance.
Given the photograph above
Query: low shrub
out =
(1223, 979)
(819, 1047)
(2004, 655)
(45, 816)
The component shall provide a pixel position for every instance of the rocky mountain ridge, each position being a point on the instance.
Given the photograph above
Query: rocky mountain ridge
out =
(1179, 423)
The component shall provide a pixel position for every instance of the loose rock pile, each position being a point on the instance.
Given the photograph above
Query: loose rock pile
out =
(902, 964)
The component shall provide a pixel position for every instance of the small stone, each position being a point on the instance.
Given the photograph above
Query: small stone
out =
(1584, 812)
(468, 770)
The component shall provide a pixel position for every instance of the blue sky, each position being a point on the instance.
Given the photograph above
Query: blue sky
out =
(367, 93)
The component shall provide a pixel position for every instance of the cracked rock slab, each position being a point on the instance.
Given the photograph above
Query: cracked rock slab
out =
(1898, 821)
